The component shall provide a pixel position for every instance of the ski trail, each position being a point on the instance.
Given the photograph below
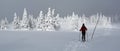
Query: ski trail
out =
(75, 46)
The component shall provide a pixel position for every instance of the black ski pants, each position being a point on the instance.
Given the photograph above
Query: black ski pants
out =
(83, 36)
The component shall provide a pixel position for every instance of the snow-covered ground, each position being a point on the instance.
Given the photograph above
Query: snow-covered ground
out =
(104, 40)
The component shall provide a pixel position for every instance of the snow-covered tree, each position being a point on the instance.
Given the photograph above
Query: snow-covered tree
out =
(16, 22)
(4, 24)
(31, 22)
(40, 21)
(25, 22)
(56, 22)
(48, 21)
(75, 23)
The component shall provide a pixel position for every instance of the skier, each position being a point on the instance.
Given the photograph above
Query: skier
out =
(83, 29)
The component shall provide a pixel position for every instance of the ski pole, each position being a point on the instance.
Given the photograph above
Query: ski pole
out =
(86, 36)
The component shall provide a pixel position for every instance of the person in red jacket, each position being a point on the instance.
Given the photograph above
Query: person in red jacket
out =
(83, 29)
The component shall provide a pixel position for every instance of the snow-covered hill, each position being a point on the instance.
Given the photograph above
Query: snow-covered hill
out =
(104, 40)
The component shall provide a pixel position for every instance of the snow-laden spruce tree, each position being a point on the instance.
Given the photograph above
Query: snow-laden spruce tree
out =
(109, 22)
(75, 23)
(40, 21)
(31, 22)
(56, 22)
(16, 22)
(25, 21)
(4, 24)
(70, 22)
(48, 21)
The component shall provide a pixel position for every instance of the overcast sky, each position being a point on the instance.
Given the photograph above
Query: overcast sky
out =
(63, 7)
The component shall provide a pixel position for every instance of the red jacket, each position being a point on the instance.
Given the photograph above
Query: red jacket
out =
(83, 29)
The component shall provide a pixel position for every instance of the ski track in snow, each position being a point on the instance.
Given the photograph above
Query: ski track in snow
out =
(75, 46)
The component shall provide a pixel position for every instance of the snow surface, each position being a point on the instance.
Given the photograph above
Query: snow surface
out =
(104, 40)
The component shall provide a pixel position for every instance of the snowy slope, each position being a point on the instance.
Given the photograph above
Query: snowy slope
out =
(104, 40)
